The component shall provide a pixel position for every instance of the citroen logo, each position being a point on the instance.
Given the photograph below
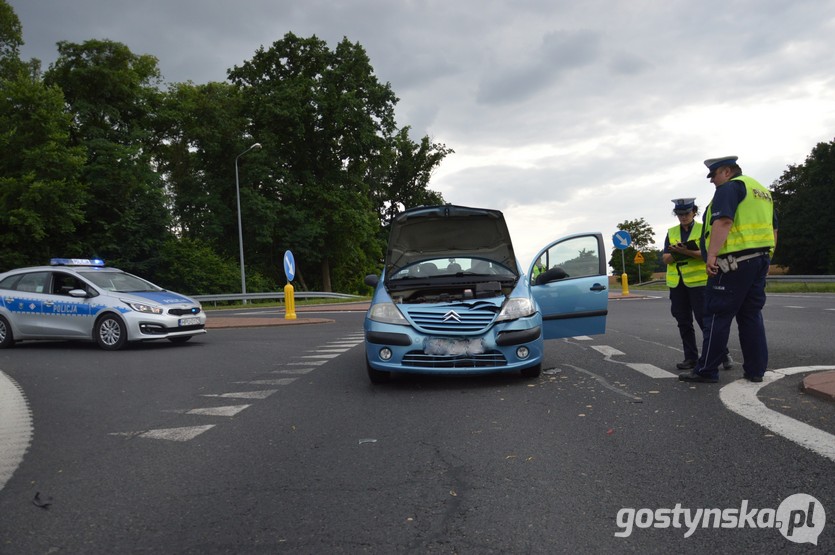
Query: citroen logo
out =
(452, 315)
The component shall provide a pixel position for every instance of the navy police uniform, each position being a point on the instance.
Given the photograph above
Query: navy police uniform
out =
(737, 290)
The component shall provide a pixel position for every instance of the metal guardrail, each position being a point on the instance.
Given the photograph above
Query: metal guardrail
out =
(272, 295)
(783, 278)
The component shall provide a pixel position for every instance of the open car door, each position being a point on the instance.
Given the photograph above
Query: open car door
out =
(571, 285)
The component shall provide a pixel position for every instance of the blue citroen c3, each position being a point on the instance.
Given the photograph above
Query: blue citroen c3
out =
(453, 299)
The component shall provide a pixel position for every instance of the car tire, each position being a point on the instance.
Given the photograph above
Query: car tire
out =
(180, 339)
(377, 376)
(6, 336)
(110, 332)
(532, 371)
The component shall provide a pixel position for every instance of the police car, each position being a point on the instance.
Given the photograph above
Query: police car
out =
(83, 299)
(453, 299)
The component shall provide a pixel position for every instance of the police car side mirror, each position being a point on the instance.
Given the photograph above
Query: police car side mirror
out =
(372, 280)
(78, 293)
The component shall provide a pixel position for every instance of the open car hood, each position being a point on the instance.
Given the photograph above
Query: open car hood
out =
(448, 231)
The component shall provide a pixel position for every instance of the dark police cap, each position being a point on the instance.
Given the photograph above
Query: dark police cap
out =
(683, 205)
(714, 164)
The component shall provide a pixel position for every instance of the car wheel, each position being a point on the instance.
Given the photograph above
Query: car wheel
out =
(6, 337)
(181, 339)
(110, 332)
(377, 376)
(532, 371)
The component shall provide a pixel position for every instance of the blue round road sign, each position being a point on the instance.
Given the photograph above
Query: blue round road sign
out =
(289, 266)
(622, 239)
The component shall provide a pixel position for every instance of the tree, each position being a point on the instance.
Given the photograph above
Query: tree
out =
(801, 195)
(642, 241)
(407, 172)
(325, 119)
(113, 97)
(41, 197)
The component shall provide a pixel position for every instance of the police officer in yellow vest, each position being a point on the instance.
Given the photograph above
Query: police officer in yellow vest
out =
(739, 236)
(686, 278)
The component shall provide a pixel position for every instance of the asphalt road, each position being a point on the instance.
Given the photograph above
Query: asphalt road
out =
(272, 440)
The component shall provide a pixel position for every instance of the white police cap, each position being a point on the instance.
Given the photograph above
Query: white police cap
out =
(714, 164)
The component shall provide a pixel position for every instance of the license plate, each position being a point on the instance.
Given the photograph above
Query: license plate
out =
(189, 321)
(453, 347)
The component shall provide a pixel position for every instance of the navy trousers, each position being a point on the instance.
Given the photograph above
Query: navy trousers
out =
(739, 294)
(685, 304)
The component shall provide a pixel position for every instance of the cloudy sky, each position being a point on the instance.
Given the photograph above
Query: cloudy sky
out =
(568, 116)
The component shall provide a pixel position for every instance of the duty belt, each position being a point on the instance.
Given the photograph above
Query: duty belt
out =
(729, 262)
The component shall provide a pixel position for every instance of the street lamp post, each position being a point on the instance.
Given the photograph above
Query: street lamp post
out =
(256, 146)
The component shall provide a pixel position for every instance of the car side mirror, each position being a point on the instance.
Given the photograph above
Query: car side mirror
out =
(554, 274)
(77, 293)
(372, 280)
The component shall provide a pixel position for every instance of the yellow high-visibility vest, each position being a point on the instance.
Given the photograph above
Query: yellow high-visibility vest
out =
(753, 222)
(692, 270)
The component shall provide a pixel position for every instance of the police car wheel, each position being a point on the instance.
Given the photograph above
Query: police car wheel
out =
(110, 333)
(6, 338)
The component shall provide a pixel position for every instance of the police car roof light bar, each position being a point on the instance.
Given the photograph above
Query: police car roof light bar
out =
(77, 262)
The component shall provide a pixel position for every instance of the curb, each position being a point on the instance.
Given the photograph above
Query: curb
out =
(821, 385)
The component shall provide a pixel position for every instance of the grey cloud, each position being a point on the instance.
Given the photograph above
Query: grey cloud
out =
(525, 76)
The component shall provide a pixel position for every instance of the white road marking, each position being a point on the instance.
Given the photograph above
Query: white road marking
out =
(279, 381)
(606, 351)
(294, 371)
(337, 351)
(263, 394)
(320, 356)
(231, 410)
(307, 363)
(15, 427)
(651, 371)
(741, 397)
(582, 338)
(645, 369)
(176, 434)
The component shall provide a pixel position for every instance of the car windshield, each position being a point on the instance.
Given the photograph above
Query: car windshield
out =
(449, 267)
(119, 281)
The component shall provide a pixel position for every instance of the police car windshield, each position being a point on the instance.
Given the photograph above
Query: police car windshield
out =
(119, 282)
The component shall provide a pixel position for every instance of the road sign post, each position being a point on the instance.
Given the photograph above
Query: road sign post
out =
(622, 239)
(289, 299)
(639, 259)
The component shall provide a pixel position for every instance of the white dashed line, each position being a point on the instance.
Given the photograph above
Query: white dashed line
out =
(263, 394)
(176, 434)
(231, 410)
(645, 369)
(279, 381)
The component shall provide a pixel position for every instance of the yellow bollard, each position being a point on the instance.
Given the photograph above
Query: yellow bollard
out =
(289, 302)
(624, 283)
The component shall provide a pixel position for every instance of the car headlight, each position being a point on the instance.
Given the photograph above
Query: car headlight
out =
(386, 313)
(516, 307)
(144, 308)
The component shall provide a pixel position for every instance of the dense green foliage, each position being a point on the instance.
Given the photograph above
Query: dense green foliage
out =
(98, 159)
(804, 242)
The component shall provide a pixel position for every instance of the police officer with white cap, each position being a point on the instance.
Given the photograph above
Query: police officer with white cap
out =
(739, 236)
(686, 278)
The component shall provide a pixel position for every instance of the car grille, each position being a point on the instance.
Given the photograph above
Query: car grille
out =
(184, 311)
(447, 320)
(418, 359)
